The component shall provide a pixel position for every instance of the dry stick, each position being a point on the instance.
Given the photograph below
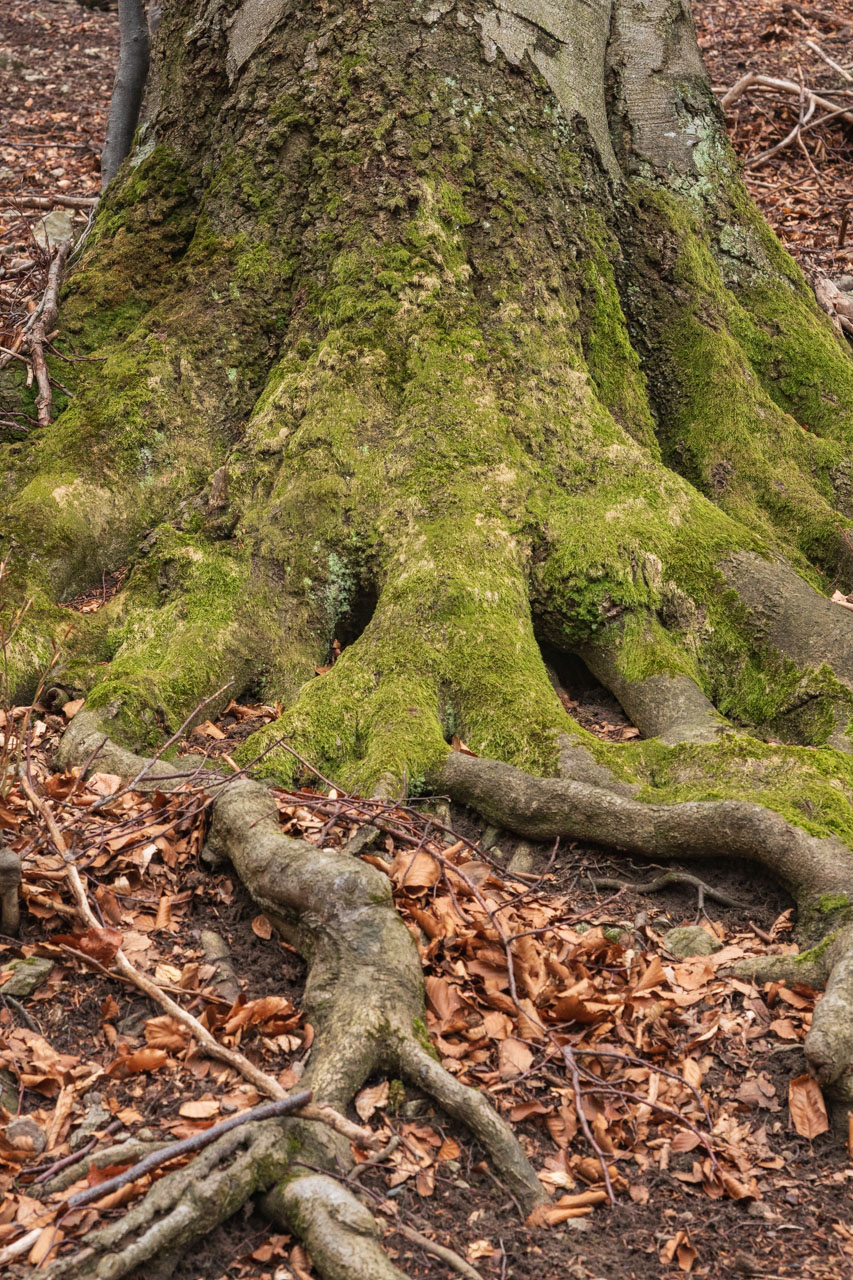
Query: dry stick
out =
(41, 328)
(448, 1256)
(836, 66)
(752, 80)
(186, 1146)
(47, 202)
(266, 1084)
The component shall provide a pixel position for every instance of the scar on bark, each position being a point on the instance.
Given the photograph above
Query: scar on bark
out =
(364, 997)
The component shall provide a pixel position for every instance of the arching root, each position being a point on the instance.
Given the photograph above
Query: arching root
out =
(364, 997)
(818, 872)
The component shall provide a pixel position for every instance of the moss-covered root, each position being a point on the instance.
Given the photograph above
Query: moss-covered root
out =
(183, 1205)
(810, 867)
(450, 649)
(341, 1234)
(364, 997)
(669, 706)
(801, 624)
(471, 1109)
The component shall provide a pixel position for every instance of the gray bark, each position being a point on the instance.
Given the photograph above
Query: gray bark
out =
(128, 89)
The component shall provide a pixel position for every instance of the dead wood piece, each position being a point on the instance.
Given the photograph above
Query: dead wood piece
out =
(41, 328)
(48, 202)
(216, 953)
(754, 81)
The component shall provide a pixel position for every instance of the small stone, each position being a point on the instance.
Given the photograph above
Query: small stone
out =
(27, 975)
(23, 1131)
(414, 1107)
(690, 940)
(522, 859)
(96, 1118)
(578, 1225)
(844, 283)
(54, 229)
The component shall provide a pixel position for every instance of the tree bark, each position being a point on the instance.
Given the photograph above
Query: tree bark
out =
(440, 330)
(129, 87)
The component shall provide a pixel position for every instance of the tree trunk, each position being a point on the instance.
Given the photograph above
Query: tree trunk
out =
(443, 329)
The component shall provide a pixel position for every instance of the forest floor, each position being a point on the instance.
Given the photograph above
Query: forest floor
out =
(691, 1084)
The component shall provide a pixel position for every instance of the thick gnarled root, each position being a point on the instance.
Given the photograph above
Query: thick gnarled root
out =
(341, 1235)
(364, 996)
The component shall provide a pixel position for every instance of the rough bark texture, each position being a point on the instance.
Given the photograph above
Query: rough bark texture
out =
(441, 329)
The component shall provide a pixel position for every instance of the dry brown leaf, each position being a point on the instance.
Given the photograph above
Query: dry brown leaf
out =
(261, 927)
(514, 1058)
(199, 1109)
(133, 1063)
(370, 1100)
(98, 944)
(49, 1239)
(808, 1110)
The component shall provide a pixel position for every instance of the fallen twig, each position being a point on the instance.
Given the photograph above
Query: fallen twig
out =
(447, 1256)
(206, 1041)
(40, 330)
(664, 882)
(186, 1146)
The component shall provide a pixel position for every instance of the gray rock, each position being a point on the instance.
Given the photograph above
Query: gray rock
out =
(23, 1129)
(844, 283)
(26, 976)
(522, 859)
(54, 229)
(97, 1117)
(690, 940)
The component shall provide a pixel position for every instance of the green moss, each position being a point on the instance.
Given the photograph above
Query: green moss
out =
(829, 902)
(811, 788)
(771, 472)
(187, 623)
(814, 955)
(422, 1036)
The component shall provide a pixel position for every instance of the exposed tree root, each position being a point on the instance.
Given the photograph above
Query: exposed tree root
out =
(364, 997)
(341, 1235)
(818, 872)
(666, 880)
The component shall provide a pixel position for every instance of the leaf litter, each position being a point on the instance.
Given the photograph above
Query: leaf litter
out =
(629, 1073)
